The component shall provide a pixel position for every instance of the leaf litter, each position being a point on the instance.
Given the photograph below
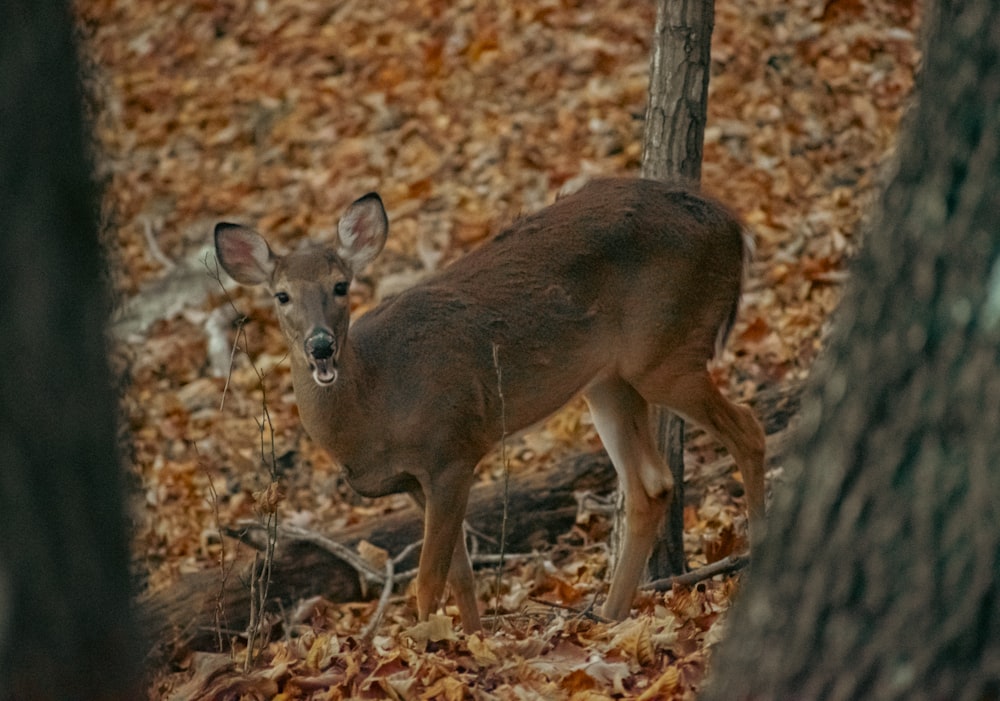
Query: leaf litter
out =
(463, 115)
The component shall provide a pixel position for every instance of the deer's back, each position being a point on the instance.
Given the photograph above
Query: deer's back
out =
(612, 279)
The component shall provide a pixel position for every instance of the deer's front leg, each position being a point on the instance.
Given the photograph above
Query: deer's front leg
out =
(463, 586)
(444, 499)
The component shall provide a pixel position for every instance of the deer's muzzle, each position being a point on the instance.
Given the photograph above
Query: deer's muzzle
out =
(321, 351)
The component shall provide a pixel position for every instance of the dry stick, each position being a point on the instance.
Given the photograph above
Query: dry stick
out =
(220, 608)
(727, 565)
(587, 612)
(241, 321)
(506, 481)
(260, 579)
(268, 502)
(340, 551)
(485, 559)
(383, 603)
(155, 252)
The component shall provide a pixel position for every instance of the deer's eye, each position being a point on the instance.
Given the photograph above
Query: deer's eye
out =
(340, 289)
(282, 297)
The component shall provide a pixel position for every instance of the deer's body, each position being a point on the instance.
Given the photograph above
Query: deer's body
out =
(620, 292)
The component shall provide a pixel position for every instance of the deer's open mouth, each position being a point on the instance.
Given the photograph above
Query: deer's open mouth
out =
(323, 371)
(320, 349)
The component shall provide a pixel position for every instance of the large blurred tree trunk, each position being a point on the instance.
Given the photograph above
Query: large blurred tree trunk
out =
(879, 577)
(65, 632)
(672, 142)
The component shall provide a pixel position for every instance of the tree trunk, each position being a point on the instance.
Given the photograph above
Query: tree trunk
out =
(674, 131)
(878, 577)
(65, 628)
(673, 136)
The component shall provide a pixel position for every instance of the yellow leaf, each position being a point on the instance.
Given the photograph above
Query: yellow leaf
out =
(481, 650)
(435, 629)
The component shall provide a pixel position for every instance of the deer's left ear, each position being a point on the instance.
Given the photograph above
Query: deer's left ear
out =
(362, 232)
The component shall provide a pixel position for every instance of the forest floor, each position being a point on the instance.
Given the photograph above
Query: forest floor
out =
(463, 116)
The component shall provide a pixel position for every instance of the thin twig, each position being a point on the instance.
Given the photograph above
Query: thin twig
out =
(491, 559)
(338, 550)
(506, 477)
(405, 552)
(220, 608)
(260, 580)
(383, 602)
(155, 252)
(587, 612)
(241, 320)
(727, 565)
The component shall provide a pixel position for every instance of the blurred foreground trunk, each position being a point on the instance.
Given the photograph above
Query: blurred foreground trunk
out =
(879, 577)
(65, 628)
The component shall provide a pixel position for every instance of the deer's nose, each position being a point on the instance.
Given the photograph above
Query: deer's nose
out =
(319, 345)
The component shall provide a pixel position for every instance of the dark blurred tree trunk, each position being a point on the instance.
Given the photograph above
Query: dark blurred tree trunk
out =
(879, 576)
(672, 140)
(65, 630)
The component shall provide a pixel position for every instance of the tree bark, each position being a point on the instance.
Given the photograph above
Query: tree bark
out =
(65, 627)
(878, 576)
(674, 131)
(673, 137)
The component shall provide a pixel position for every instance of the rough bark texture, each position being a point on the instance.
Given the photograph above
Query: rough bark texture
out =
(673, 136)
(879, 574)
(65, 631)
(674, 131)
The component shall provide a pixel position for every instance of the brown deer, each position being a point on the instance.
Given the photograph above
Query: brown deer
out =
(621, 292)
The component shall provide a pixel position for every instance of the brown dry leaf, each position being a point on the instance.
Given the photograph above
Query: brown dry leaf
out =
(724, 543)
(632, 640)
(662, 686)
(576, 681)
(435, 629)
(372, 554)
(446, 688)
(482, 650)
(464, 116)
(324, 650)
(557, 590)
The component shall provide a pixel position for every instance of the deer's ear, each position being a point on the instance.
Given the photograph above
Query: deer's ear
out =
(244, 254)
(362, 231)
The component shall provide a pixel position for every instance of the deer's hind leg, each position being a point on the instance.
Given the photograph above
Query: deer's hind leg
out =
(621, 417)
(694, 396)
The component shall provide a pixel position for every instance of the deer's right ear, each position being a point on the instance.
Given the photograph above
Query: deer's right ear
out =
(243, 253)
(361, 232)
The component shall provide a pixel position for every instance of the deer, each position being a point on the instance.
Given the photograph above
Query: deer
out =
(622, 293)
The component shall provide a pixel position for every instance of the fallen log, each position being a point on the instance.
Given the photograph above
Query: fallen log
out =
(203, 609)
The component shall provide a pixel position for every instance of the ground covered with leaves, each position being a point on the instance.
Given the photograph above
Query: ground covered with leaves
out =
(463, 116)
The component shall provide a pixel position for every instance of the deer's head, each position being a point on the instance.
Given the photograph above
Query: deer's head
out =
(310, 287)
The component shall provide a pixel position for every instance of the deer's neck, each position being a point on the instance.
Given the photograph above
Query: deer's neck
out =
(340, 418)
(331, 414)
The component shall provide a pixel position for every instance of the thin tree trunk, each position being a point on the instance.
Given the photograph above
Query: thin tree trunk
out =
(674, 132)
(879, 576)
(672, 147)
